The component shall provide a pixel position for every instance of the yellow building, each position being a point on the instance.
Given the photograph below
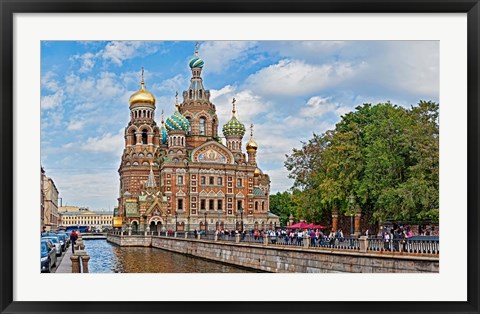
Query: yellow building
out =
(82, 216)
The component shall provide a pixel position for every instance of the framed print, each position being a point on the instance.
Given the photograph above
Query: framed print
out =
(261, 157)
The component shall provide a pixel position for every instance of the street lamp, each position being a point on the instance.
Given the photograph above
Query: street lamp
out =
(236, 221)
(241, 218)
(176, 220)
(351, 198)
(205, 224)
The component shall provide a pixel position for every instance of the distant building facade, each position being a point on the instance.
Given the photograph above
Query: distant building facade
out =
(82, 216)
(49, 203)
(181, 175)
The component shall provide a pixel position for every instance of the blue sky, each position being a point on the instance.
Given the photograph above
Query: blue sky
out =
(287, 89)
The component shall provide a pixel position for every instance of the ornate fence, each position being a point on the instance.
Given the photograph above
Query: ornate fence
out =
(418, 245)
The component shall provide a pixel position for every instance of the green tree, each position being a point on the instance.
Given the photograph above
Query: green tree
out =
(385, 155)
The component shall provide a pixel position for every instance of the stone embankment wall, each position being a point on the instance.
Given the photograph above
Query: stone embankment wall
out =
(287, 259)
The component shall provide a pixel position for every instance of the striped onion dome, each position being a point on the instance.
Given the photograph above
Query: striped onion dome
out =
(196, 62)
(177, 122)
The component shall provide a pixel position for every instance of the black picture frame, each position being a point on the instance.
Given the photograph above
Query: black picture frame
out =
(10, 7)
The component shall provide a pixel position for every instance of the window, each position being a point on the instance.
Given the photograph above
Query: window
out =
(180, 180)
(263, 206)
(219, 205)
(180, 204)
(202, 180)
(202, 204)
(211, 204)
(219, 181)
(211, 180)
(239, 205)
(256, 205)
(239, 182)
(202, 126)
(189, 130)
(144, 136)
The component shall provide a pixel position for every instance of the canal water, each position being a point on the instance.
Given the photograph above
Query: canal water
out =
(109, 258)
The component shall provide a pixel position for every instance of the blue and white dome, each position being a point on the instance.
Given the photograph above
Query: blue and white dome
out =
(177, 122)
(163, 134)
(196, 62)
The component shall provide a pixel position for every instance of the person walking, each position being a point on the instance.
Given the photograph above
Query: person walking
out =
(73, 239)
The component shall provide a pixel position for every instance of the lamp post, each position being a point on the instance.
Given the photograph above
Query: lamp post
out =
(351, 198)
(205, 224)
(236, 221)
(241, 218)
(176, 221)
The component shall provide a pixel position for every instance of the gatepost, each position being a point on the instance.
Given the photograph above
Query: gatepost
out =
(306, 240)
(363, 241)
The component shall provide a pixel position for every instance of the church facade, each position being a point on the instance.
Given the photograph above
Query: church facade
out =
(180, 175)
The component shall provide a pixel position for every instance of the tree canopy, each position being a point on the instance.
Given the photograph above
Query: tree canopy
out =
(385, 155)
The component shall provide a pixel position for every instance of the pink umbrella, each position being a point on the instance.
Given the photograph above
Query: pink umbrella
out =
(318, 227)
(300, 225)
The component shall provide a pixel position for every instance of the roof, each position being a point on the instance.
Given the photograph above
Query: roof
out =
(272, 215)
(258, 192)
(90, 213)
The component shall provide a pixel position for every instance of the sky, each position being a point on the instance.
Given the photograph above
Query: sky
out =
(287, 89)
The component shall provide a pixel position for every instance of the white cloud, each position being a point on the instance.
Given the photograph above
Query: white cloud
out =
(84, 106)
(220, 55)
(52, 101)
(119, 51)
(106, 143)
(101, 186)
(48, 82)
(87, 61)
(279, 179)
(75, 125)
(248, 104)
(295, 77)
(176, 83)
(91, 89)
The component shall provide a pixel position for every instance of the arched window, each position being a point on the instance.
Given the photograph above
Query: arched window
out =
(134, 138)
(190, 94)
(202, 126)
(263, 206)
(200, 93)
(144, 136)
(189, 130)
(256, 205)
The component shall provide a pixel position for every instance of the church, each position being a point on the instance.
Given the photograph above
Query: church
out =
(182, 175)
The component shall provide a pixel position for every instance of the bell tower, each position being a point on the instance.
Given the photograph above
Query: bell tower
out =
(197, 108)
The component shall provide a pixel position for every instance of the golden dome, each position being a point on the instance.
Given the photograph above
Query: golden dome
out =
(142, 96)
(257, 172)
(252, 145)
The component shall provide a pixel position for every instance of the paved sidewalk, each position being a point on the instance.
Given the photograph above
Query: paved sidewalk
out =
(66, 264)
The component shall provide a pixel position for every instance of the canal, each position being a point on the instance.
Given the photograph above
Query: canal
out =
(109, 258)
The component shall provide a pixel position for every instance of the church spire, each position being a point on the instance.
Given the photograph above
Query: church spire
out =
(233, 107)
(151, 178)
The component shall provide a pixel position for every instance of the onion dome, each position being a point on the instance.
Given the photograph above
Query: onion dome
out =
(233, 127)
(163, 132)
(196, 62)
(177, 121)
(251, 144)
(142, 96)
(257, 172)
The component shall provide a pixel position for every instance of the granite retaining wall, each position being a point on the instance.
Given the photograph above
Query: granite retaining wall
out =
(287, 259)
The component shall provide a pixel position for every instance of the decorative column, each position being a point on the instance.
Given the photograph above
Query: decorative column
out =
(75, 263)
(85, 259)
(358, 215)
(334, 218)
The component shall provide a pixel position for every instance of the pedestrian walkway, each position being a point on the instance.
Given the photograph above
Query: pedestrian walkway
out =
(66, 264)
